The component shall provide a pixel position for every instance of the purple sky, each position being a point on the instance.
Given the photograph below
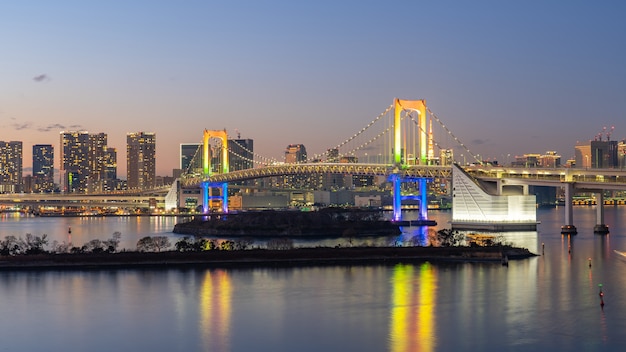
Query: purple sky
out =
(506, 77)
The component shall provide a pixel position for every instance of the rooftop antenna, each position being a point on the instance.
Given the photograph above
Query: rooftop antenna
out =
(608, 134)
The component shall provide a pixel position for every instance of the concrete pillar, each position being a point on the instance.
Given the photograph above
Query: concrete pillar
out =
(397, 197)
(423, 215)
(600, 227)
(569, 228)
(224, 197)
(205, 197)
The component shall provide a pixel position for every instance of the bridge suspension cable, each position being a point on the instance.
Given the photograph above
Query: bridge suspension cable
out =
(268, 161)
(452, 135)
(352, 138)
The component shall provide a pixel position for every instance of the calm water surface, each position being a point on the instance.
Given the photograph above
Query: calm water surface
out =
(550, 302)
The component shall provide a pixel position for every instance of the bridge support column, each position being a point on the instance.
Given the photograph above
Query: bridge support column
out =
(569, 228)
(423, 215)
(600, 227)
(224, 197)
(205, 197)
(397, 197)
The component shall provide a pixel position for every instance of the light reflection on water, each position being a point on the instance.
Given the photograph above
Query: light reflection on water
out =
(550, 302)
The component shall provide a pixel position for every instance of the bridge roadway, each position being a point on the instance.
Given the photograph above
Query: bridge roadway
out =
(572, 180)
(58, 200)
(427, 171)
(582, 180)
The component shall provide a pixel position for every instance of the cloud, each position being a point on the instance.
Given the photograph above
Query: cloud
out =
(59, 127)
(479, 141)
(41, 78)
(22, 126)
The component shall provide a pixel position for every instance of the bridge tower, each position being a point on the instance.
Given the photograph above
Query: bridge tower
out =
(207, 187)
(420, 107)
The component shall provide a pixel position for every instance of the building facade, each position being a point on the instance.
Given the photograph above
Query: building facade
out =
(74, 166)
(295, 153)
(241, 154)
(141, 160)
(87, 163)
(43, 168)
(597, 154)
(191, 158)
(10, 167)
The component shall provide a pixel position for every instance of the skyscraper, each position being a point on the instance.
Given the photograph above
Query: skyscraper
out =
(295, 153)
(43, 167)
(110, 164)
(241, 154)
(141, 160)
(75, 167)
(85, 162)
(191, 153)
(10, 166)
(97, 151)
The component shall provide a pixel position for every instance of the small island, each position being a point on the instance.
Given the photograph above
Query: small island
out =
(327, 222)
(197, 251)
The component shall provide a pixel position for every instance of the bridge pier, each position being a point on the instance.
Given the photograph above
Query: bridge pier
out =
(569, 228)
(423, 215)
(600, 227)
(397, 197)
(207, 197)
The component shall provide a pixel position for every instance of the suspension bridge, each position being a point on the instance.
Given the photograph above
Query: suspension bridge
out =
(402, 146)
(399, 144)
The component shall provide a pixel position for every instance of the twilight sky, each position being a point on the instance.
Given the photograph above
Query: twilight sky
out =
(506, 77)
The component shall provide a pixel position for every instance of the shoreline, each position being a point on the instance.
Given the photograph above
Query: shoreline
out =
(262, 258)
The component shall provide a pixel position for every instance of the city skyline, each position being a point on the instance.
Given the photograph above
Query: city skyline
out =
(506, 78)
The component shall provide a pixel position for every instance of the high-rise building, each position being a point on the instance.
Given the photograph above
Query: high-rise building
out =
(191, 158)
(295, 153)
(582, 155)
(332, 155)
(10, 166)
(141, 160)
(97, 151)
(75, 166)
(621, 154)
(86, 162)
(597, 154)
(550, 159)
(43, 168)
(110, 164)
(446, 157)
(241, 154)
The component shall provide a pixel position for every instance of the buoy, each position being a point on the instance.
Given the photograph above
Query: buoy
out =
(590, 262)
(601, 294)
(69, 230)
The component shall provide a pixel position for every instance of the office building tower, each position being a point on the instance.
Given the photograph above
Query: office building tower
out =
(295, 153)
(191, 158)
(75, 165)
(43, 168)
(550, 159)
(446, 157)
(597, 154)
(332, 155)
(10, 167)
(604, 154)
(621, 154)
(241, 154)
(97, 151)
(141, 160)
